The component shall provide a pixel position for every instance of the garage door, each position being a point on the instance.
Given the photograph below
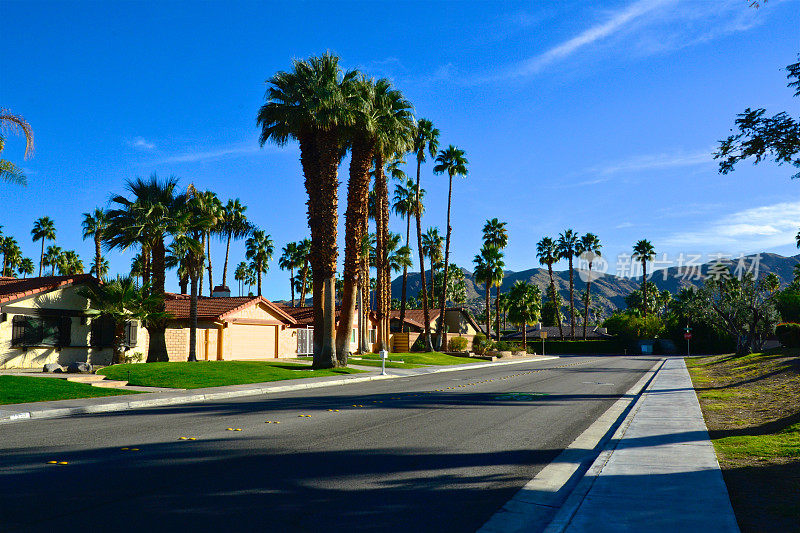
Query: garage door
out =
(251, 342)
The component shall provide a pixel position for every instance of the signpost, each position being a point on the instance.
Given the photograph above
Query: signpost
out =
(384, 354)
(688, 337)
(543, 335)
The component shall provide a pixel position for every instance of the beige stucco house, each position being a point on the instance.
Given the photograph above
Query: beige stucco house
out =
(459, 322)
(46, 320)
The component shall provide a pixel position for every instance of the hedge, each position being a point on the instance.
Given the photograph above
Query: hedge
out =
(789, 334)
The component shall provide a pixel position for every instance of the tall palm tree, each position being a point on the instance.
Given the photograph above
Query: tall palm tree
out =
(567, 244)
(44, 229)
(643, 251)
(137, 267)
(11, 254)
(26, 267)
(489, 271)
(495, 234)
(525, 302)
(103, 268)
(52, 257)
(154, 211)
(306, 104)
(589, 245)
(405, 204)
(259, 250)
(425, 143)
(234, 226)
(9, 122)
(94, 224)
(432, 245)
(547, 252)
(69, 263)
(289, 261)
(453, 162)
(208, 206)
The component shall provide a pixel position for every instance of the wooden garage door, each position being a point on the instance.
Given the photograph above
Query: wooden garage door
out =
(251, 341)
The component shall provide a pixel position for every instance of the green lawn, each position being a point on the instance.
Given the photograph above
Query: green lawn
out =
(20, 389)
(373, 362)
(214, 373)
(426, 358)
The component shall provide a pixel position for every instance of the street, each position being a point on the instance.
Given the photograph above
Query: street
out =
(435, 452)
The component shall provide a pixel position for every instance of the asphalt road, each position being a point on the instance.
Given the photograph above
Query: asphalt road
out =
(440, 452)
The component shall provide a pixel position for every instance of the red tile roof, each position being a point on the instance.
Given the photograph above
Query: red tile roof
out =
(416, 317)
(305, 315)
(218, 308)
(15, 288)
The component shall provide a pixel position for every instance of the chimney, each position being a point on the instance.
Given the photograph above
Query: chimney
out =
(221, 291)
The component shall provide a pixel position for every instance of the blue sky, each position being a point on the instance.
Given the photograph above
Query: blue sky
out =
(594, 116)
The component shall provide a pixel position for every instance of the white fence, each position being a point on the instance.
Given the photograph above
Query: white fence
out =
(305, 341)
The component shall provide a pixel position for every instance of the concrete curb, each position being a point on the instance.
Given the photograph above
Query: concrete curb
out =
(544, 498)
(138, 402)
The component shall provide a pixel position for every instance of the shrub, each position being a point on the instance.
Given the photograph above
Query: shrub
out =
(419, 344)
(135, 357)
(508, 346)
(480, 344)
(458, 344)
(789, 334)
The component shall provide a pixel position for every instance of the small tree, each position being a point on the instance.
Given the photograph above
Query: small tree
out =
(524, 307)
(123, 301)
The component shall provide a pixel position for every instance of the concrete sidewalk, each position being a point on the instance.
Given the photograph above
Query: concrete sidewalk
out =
(59, 408)
(659, 472)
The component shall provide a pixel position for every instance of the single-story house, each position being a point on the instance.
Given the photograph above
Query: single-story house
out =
(47, 320)
(243, 327)
(552, 332)
(303, 327)
(459, 322)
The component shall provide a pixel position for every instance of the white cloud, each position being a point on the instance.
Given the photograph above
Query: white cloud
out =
(195, 156)
(755, 229)
(141, 143)
(624, 225)
(655, 162)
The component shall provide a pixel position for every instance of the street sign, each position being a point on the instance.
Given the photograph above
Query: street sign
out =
(687, 336)
(542, 334)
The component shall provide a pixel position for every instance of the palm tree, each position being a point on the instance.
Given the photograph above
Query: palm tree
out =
(405, 204)
(69, 263)
(26, 267)
(290, 260)
(453, 162)
(94, 224)
(489, 270)
(496, 235)
(241, 275)
(208, 206)
(304, 253)
(11, 254)
(10, 122)
(567, 244)
(137, 267)
(155, 211)
(306, 105)
(503, 303)
(44, 229)
(589, 245)
(525, 302)
(432, 244)
(103, 267)
(122, 300)
(425, 143)
(643, 251)
(259, 250)
(52, 257)
(234, 226)
(547, 252)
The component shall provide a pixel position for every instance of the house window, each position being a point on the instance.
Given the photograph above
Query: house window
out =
(353, 336)
(41, 331)
(373, 336)
(102, 333)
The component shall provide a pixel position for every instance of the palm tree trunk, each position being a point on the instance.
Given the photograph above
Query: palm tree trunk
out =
(381, 230)
(210, 276)
(588, 296)
(425, 312)
(184, 282)
(259, 267)
(145, 265)
(443, 295)
(193, 320)
(98, 258)
(405, 278)
(41, 259)
(365, 296)
(225, 266)
(157, 349)
(291, 283)
(488, 314)
(118, 351)
(304, 284)
(525, 338)
(497, 312)
(202, 265)
(644, 286)
(554, 298)
(571, 301)
(357, 212)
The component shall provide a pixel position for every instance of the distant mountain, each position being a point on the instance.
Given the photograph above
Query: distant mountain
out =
(608, 290)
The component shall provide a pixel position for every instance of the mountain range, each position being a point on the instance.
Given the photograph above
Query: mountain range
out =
(609, 290)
